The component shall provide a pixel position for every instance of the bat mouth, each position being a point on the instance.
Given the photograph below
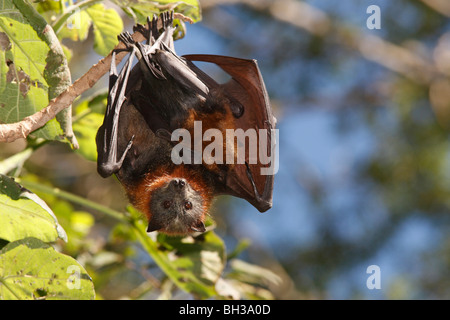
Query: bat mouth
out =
(178, 226)
(181, 227)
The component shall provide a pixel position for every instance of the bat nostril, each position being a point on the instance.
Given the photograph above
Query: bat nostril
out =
(179, 183)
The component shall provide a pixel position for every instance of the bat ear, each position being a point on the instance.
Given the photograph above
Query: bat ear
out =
(153, 226)
(236, 107)
(198, 226)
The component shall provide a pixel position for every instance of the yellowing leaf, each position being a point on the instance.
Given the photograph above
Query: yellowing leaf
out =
(77, 27)
(23, 214)
(107, 26)
(31, 269)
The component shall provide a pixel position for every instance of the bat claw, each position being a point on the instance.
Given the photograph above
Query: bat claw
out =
(167, 19)
(127, 40)
(153, 29)
(263, 204)
(130, 143)
(144, 31)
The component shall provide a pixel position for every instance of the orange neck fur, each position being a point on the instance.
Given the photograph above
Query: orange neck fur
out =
(140, 194)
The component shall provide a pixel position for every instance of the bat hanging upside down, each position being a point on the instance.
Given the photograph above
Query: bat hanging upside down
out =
(165, 97)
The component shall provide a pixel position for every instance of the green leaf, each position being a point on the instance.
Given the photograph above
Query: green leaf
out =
(81, 221)
(89, 117)
(251, 281)
(194, 264)
(86, 131)
(107, 25)
(203, 256)
(78, 31)
(254, 274)
(76, 224)
(14, 164)
(23, 87)
(31, 269)
(9, 187)
(49, 7)
(56, 72)
(23, 214)
(139, 10)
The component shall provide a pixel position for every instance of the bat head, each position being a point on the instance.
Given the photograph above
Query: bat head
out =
(176, 208)
(175, 202)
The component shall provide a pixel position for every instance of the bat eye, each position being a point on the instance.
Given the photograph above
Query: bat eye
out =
(188, 205)
(167, 204)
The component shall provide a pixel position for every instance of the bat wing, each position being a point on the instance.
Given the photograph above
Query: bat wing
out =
(110, 137)
(252, 180)
(110, 158)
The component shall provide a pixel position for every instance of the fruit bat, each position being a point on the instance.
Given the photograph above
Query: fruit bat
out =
(164, 93)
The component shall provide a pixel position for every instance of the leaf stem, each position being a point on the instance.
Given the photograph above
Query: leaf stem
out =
(75, 199)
